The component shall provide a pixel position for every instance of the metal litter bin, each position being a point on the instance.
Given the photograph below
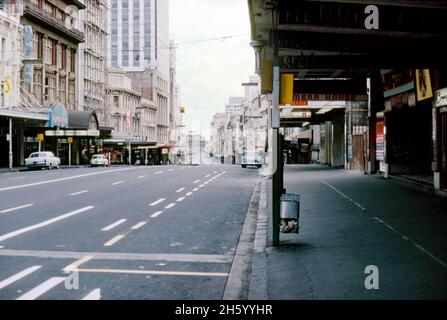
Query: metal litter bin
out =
(290, 213)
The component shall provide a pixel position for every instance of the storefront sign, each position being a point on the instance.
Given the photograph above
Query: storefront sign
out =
(289, 113)
(300, 98)
(441, 97)
(397, 81)
(72, 133)
(423, 84)
(58, 116)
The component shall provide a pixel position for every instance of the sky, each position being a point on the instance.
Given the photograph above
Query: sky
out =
(210, 71)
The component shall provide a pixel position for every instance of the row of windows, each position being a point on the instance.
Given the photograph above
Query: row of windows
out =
(52, 91)
(94, 40)
(93, 68)
(55, 11)
(52, 52)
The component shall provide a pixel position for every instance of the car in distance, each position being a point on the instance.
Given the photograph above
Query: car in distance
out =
(44, 159)
(99, 160)
(251, 158)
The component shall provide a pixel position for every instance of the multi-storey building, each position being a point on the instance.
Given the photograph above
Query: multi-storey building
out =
(92, 59)
(56, 36)
(138, 42)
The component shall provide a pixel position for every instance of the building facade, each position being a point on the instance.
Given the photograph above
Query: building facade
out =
(92, 59)
(139, 44)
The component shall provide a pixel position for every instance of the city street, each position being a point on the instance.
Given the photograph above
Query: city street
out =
(163, 232)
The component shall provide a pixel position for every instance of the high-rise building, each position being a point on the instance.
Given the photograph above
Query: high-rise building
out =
(138, 43)
(138, 35)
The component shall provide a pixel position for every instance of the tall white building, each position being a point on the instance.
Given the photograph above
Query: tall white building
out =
(139, 44)
(138, 35)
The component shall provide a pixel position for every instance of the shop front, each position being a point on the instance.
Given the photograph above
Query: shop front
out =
(440, 131)
(404, 130)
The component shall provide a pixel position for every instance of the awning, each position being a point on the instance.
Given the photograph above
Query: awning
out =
(24, 114)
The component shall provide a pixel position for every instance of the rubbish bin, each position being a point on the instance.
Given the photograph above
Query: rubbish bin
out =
(290, 213)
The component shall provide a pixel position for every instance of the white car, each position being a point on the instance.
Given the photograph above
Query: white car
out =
(251, 158)
(99, 160)
(45, 159)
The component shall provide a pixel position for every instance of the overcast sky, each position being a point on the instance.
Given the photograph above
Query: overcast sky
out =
(210, 71)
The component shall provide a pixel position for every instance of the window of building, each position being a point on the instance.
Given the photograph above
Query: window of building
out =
(62, 90)
(71, 95)
(50, 87)
(37, 84)
(48, 50)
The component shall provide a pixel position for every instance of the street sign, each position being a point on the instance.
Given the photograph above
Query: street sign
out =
(70, 139)
(40, 137)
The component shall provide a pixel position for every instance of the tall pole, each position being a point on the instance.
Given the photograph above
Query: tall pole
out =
(10, 144)
(69, 154)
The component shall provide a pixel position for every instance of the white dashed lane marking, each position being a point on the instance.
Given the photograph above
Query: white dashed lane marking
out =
(156, 214)
(17, 208)
(44, 223)
(169, 206)
(113, 225)
(18, 276)
(180, 190)
(157, 202)
(41, 289)
(77, 193)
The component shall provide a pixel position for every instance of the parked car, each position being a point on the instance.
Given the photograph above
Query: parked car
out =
(45, 159)
(99, 160)
(251, 158)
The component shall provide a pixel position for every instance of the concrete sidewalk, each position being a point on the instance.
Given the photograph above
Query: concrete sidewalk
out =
(350, 221)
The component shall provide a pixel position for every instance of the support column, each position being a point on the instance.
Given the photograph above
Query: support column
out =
(10, 144)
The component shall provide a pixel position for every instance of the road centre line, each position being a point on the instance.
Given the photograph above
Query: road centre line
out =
(418, 246)
(156, 272)
(17, 208)
(176, 257)
(180, 199)
(169, 206)
(114, 240)
(77, 193)
(44, 223)
(195, 189)
(113, 225)
(41, 289)
(75, 265)
(18, 276)
(180, 190)
(188, 194)
(64, 179)
(138, 225)
(157, 202)
(156, 214)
